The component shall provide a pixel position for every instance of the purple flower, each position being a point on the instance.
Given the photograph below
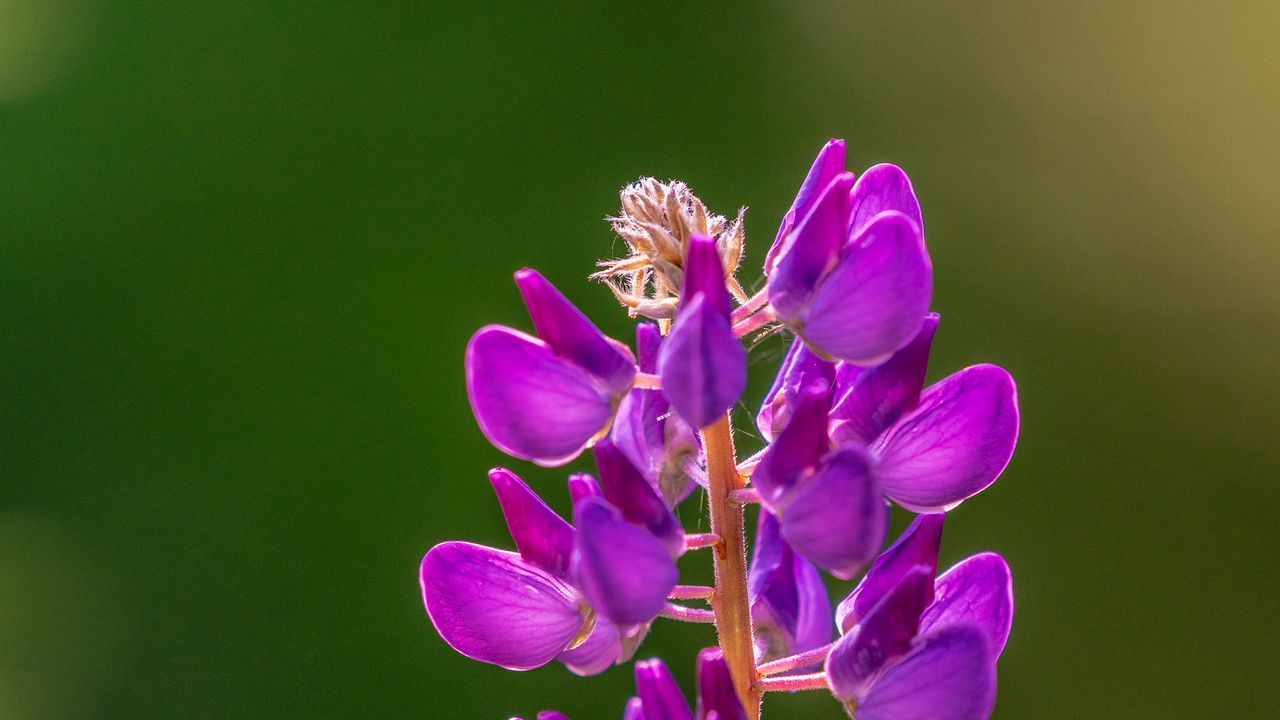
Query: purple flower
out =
(933, 449)
(660, 698)
(790, 609)
(514, 380)
(576, 597)
(919, 648)
(800, 368)
(702, 365)
(849, 272)
(829, 506)
(658, 442)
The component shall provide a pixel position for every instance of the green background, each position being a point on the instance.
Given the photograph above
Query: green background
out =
(243, 245)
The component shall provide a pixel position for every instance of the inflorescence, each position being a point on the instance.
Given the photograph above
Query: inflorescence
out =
(850, 428)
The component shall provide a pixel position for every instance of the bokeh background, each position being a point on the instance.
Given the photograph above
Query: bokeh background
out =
(243, 245)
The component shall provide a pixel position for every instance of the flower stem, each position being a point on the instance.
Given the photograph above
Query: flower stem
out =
(745, 496)
(733, 616)
(748, 325)
(687, 614)
(799, 660)
(691, 592)
(693, 541)
(792, 683)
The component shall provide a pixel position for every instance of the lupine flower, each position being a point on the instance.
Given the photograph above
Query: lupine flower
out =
(514, 380)
(517, 610)
(829, 507)
(702, 364)
(852, 276)
(628, 543)
(565, 595)
(790, 609)
(933, 449)
(850, 428)
(924, 648)
(800, 368)
(657, 441)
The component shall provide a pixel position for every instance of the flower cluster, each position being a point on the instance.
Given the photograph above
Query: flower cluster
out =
(851, 430)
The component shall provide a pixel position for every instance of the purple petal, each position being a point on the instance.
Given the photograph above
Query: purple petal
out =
(828, 164)
(529, 402)
(800, 368)
(657, 442)
(704, 274)
(551, 715)
(811, 252)
(871, 399)
(875, 299)
(633, 495)
(837, 519)
(950, 676)
(543, 538)
(954, 444)
(884, 634)
(702, 364)
(634, 710)
(715, 687)
(597, 653)
(572, 336)
(659, 692)
(583, 485)
(494, 607)
(790, 609)
(796, 450)
(881, 188)
(625, 572)
(979, 591)
(916, 547)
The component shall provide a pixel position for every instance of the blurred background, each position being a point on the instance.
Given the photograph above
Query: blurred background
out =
(244, 244)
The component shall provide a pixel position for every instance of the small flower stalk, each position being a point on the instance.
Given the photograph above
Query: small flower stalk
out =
(852, 430)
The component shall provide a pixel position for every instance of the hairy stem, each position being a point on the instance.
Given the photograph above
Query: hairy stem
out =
(792, 683)
(687, 614)
(733, 615)
(693, 541)
(799, 660)
(691, 592)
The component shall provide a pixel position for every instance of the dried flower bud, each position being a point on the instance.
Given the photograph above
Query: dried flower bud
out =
(656, 221)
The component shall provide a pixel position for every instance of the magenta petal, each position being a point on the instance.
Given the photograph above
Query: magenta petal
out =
(494, 607)
(597, 653)
(514, 381)
(702, 364)
(634, 710)
(811, 252)
(881, 188)
(979, 591)
(704, 274)
(954, 444)
(542, 537)
(633, 495)
(716, 695)
(551, 715)
(884, 634)
(868, 400)
(796, 450)
(800, 368)
(837, 519)
(583, 485)
(790, 608)
(950, 676)
(659, 692)
(826, 166)
(625, 572)
(574, 337)
(916, 547)
(875, 299)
